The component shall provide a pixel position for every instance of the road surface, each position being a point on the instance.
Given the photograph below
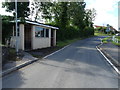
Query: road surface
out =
(79, 65)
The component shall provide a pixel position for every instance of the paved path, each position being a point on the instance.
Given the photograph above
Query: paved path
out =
(78, 66)
(27, 57)
(112, 50)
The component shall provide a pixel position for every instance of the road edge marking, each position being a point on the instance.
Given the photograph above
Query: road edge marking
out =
(2, 74)
(113, 66)
(55, 52)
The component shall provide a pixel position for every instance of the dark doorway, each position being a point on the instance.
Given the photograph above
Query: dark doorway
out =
(52, 37)
(27, 37)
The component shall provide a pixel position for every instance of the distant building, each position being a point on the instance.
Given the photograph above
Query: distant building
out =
(98, 26)
(110, 28)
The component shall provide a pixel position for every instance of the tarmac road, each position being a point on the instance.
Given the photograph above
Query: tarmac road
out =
(79, 65)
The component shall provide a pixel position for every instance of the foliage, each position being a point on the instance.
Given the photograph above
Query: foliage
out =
(22, 8)
(66, 42)
(98, 33)
(118, 44)
(89, 17)
(22, 12)
(105, 40)
(118, 37)
(101, 30)
(72, 18)
(6, 27)
(88, 31)
(77, 12)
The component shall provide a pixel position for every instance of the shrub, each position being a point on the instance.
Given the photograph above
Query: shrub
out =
(88, 31)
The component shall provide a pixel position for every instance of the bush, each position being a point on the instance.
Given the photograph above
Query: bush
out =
(88, 31)
(68, 33)
(73, 32)
(6, 28)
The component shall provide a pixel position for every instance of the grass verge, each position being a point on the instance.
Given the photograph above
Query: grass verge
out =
(117, 44)
(106, 40)
(13, 56)
(40, 53)
(100, 34)
(66, 42)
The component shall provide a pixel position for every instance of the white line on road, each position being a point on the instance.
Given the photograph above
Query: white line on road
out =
(108, 61)
(56, 51)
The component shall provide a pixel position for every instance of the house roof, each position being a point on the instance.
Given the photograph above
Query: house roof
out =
(98, 26)
(112, 28)
(37, 23)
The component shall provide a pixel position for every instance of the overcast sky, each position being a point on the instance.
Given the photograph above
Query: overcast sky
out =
(107, 11)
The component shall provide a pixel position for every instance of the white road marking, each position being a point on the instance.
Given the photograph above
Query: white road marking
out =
(115, 68)
(56, 51)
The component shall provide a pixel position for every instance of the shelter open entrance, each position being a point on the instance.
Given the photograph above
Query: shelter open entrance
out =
(34, 35)
(27, 37)
(53, 37)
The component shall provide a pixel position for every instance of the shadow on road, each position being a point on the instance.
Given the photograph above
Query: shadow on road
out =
(17, 80)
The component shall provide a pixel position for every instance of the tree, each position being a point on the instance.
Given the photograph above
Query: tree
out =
(22, 10)
(58, 13)
(70, 17)
(41, 10)
(77, 12)
(90, 15)
(6, 27)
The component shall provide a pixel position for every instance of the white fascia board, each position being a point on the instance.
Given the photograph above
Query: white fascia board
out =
(37, 24)
(41, 25)
(14, 21)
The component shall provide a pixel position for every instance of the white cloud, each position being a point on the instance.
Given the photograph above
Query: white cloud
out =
(107, 11)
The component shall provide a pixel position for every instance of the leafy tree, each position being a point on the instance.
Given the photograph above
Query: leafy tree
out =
(77, 11)
(22, 8)
(6, 27)
(90, 15)
(65, 14)
(58, 13)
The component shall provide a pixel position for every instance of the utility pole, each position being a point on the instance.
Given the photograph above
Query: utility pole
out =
(16, 26)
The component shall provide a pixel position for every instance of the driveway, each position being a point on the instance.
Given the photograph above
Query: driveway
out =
(79, 65)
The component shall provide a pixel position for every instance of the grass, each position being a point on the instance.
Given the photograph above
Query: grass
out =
(46, 51)
(1, 44)
(13, 56)
(105, 40)
(37, 56)
(100, 34)
(66, 42)
(117, 44)
(118, 37)
(60, 44)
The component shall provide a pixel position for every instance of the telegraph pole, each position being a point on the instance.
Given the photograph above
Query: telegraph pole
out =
(16, 26)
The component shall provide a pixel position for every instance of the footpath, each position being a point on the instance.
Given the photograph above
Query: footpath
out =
(112, 52)
(15, 65)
